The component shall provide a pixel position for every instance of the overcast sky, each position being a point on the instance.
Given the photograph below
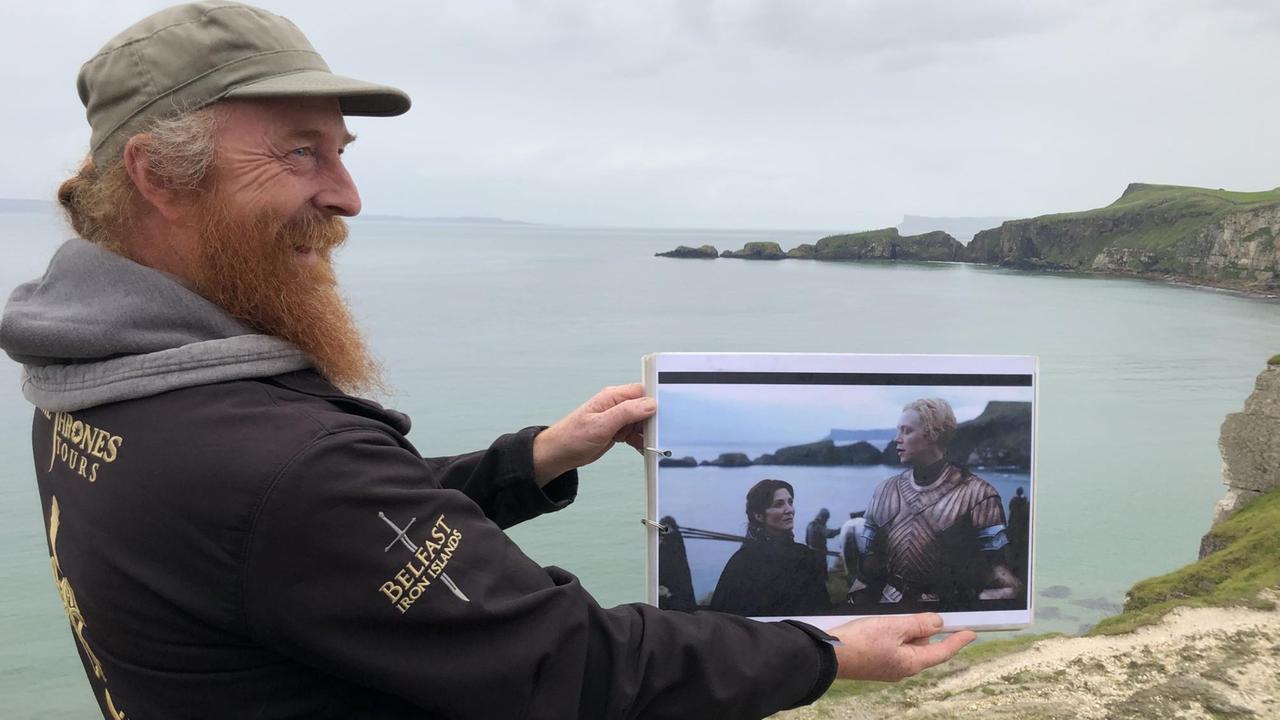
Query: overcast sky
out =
(742, 113)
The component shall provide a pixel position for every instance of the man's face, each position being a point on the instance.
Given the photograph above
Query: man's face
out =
(914, 447)
(284, 156)
(267, 224)
(780, 516)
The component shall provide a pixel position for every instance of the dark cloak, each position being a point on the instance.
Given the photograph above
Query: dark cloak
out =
(771, 576)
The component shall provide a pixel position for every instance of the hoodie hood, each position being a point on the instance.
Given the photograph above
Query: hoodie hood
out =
(98, 328)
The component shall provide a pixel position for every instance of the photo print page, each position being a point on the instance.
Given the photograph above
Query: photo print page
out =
(826, 487)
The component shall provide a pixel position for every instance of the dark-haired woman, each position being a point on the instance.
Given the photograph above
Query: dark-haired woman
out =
(771, 574)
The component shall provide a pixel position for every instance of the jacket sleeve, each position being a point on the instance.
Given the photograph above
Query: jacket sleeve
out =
(500, 480)
(358, 567)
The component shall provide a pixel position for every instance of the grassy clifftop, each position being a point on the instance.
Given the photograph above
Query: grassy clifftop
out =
(1170, 212)
(1198, 234)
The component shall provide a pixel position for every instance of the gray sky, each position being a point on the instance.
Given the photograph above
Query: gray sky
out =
(750, 113)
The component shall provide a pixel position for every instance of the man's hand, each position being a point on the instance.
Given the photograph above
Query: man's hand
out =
(892, 648)
(615, 414)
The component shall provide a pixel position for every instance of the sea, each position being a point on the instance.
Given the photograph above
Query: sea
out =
(484, 328)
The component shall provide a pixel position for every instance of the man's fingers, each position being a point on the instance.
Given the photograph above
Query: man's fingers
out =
(922, 625)
(613, 395)
(628, 412)
(944, 650)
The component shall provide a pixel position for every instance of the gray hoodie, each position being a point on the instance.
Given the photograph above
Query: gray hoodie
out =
(98, 328)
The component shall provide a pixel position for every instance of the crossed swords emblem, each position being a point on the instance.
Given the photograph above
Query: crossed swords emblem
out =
(404, 540)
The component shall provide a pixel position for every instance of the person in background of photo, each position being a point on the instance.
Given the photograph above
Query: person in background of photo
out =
(675, 581)
(1019, 533)
(852, 546)
(935, 533)
(817, 533)
(771, 574)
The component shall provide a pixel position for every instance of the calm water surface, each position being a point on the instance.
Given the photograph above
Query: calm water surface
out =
(484, 329)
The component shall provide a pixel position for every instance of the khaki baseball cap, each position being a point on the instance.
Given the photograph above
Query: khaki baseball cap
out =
(188, 56)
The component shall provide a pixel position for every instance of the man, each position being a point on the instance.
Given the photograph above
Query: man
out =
(233, 533)
(935, 533)
(817, 533)
(1019, 533)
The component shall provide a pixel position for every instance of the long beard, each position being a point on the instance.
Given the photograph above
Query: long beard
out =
(249, 267)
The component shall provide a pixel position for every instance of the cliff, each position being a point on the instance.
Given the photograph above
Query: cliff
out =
(999, 437)
(1197, 235)
(888, 244)
(1250, 448)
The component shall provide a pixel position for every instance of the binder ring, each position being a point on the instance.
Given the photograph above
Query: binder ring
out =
(657, 526)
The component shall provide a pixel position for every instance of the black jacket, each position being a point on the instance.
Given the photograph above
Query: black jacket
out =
(273, 548)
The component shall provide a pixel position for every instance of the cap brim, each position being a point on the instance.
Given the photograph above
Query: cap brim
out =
(356, 97)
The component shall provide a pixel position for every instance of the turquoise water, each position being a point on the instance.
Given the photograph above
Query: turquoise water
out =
(484, 329)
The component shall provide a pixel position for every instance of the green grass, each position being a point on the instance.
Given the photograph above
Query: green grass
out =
(1275, 360)
(978, 652)
(1233, 576)
(890, 233)
(1148, 217)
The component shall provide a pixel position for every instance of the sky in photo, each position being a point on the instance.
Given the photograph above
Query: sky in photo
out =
(794, 414)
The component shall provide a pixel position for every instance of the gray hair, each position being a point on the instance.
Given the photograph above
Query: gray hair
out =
(100, 203)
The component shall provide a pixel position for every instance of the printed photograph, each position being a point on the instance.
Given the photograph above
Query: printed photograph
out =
(809, 497)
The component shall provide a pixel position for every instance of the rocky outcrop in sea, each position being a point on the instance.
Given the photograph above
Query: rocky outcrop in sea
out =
(887, 244)
(706, 252)
(757, 251)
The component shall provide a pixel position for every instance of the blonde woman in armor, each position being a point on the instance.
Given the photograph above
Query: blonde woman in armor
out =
(935, 533)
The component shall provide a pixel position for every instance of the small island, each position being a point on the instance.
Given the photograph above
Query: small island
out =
(706, 252)
(757, 251)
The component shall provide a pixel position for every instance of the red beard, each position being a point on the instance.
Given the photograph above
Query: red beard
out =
(252, 268)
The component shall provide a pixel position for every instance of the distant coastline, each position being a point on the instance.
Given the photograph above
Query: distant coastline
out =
(24, 205)
(1185, 235)
(449, 220)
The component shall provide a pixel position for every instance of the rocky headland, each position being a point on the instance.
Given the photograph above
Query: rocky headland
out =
(1200, 642)
(1199, 236)
(999, 437)
(1195, 235)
